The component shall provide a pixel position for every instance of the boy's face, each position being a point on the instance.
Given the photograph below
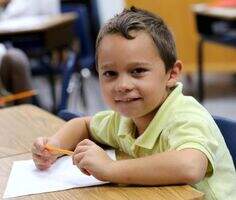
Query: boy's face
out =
(132, 75)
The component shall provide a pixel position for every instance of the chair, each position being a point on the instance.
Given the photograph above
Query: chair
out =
(40, 60)
(82, 31)
(67, 115)
(44, 68)
(67, 70)
(228, 130)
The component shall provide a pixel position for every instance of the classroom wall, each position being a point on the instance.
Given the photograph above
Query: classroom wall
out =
(108, 8)
(178, 16)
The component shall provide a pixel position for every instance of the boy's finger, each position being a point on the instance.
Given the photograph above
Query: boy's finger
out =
(43, 158)
(40, 143)
(86, 142)
(44, 153)
(42, 166)
(42, 162)
(78, 157)
(82, 167)
(35, 150)
(85, 171)
(80, 149)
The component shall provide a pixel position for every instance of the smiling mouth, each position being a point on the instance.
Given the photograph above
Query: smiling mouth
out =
(126, 100)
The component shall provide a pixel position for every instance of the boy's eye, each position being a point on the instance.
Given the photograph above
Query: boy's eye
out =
(109, 74)
(138, 71)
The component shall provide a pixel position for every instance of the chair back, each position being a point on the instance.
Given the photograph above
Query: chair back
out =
(68, 115)
(228, 130)
(83, 33)
(68, 70)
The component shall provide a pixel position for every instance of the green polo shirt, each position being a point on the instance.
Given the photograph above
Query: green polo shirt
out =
(180, 123)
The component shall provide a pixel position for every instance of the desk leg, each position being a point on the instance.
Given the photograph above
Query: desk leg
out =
(200, 71)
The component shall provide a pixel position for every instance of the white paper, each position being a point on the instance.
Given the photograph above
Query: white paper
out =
(25, 179)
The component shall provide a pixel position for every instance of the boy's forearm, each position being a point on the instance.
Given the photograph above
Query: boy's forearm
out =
(159, 169)
(72, 133)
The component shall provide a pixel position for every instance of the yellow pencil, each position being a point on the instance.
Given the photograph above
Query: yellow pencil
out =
(61, 151)
(58, 150)
(17, 96)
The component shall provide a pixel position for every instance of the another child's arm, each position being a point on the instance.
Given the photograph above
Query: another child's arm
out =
(173, 167)
(67, 137)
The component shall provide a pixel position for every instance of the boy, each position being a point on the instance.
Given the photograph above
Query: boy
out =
(172, 138)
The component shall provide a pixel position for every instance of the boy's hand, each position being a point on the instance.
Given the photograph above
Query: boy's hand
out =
(92, 160)
(42, 158)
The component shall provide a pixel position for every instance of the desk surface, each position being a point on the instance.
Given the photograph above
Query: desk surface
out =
(20, 125)
(34, 23)
(38, 32)
(221, 12)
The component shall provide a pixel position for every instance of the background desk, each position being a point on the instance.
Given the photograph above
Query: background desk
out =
(38, 36)
(217, 25)
(50, 32)
(20, 125)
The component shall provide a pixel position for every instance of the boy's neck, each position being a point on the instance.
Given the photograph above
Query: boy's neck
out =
(142, 123)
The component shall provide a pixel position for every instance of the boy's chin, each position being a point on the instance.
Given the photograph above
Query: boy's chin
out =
(132, 115)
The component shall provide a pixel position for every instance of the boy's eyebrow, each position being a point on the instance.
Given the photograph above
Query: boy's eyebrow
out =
(107, 65)
(131, 64)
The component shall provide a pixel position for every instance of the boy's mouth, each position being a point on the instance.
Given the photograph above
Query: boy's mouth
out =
(126, 100)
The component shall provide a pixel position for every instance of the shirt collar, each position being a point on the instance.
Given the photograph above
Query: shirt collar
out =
(126, 127)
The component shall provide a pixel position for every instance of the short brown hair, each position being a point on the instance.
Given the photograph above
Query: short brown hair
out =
(138, 19)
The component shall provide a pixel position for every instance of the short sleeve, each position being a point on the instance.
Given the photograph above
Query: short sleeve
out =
(103, 128)
(193, 134)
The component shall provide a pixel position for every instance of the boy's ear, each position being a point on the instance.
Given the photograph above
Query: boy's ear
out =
(174, 74)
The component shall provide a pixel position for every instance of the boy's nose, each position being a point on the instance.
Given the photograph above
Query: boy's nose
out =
(124, 84)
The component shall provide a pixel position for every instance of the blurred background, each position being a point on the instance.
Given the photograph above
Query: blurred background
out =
(55, 39)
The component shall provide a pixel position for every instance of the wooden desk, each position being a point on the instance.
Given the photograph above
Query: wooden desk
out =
(48, 31)
(39, 36)
(20, 125)
(217, 25)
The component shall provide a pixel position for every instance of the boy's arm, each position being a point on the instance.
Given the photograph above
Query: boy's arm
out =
(72, 133)
(187, 166)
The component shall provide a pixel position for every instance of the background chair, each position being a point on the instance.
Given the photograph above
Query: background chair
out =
(67, 70)
(43, 67)
(82, 32)
(41, 62)
(67, 115)
(228, 130)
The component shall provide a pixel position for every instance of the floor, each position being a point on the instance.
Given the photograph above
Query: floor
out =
(220, 94)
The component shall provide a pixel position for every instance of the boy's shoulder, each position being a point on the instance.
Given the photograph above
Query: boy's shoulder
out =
(179, 104)
(189, 106)
(180, 108)
(107, 116)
